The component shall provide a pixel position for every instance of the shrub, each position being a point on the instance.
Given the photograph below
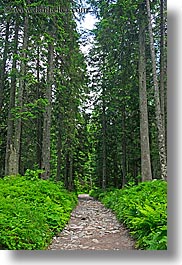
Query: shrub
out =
(32, 211)
(143, 209)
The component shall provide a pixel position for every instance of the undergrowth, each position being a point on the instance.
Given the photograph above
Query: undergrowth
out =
(143, 209)
(32, 211)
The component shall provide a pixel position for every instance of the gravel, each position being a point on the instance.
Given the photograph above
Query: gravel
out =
(92, 227)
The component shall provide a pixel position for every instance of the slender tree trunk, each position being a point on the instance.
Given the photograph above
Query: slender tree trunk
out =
(3, 64)
(39, 118)
(160, 127)
(66, 174)
(18, 123)
(144, 131)
(46, 144)
(165, 71)
(70, 184)
(59, 149)
(162, 88)
(163, 66)
(103, 142)
(10, 164)
(124, 172)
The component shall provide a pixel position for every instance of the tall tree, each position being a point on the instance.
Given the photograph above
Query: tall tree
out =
(124, 154)
(104, 155)
(39, 94)
(163, 92)
(144, 129)
(20, 98)
(159, 121)
(10, 162)
(46, 141)
(3, 62)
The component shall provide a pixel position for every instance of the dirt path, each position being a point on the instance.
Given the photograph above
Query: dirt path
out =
(92, 227)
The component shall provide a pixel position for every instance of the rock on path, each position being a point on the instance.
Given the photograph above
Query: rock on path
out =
(92, 227)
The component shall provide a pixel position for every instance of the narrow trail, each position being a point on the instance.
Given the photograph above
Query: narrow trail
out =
(92, 227)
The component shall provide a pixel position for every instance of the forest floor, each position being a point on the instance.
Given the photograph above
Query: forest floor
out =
(92, 227)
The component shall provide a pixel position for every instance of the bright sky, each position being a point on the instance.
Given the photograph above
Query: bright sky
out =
(88, 24)
(89, 21)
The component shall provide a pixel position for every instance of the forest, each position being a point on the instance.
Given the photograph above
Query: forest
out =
(86, 122)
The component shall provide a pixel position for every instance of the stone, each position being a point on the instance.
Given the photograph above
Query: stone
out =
(92, 227)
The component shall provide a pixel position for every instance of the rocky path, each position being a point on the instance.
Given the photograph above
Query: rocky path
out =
(92, 227)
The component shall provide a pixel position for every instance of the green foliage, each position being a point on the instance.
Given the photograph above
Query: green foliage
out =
(32, 211)
(33, 174)
(30, 110)
(143, 209)
(81, 186)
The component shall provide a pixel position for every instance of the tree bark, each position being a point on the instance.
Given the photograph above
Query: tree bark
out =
(162, 93)
(70, 184)
(144, 131)
(66, 173)
(160, 127)
(103, 141)
(163, 89)
(10, 164)
(59, 149)
(124, 171)
(46, 144)
(3, 64)
(39, 118)
(18, 122)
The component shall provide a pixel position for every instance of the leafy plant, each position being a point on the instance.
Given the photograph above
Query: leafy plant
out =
(32, 210)
(143, 209)
(33, 174)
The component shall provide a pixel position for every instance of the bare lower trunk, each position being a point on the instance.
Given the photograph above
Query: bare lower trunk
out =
(70, 184)
(103, 143)
(160, 127)
(66, 174)
(124, 172)
(163, 90)
(46, 144)
(59, 150)
(39, 118)
(144, 131)
(11, 165)
(18, 122)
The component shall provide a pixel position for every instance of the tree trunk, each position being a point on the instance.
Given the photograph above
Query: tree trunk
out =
(3, 64)
(124, 172)
(59, 149)
(10, 164)
(160, 127)
(46, 144)
(144, 131)
(70, 184)
(39, 118)
(162, 92)
(103, 141)
(18, 122)
(163, 89)
(66, 174)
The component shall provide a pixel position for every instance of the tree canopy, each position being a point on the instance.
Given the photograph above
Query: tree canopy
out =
(47, 82)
